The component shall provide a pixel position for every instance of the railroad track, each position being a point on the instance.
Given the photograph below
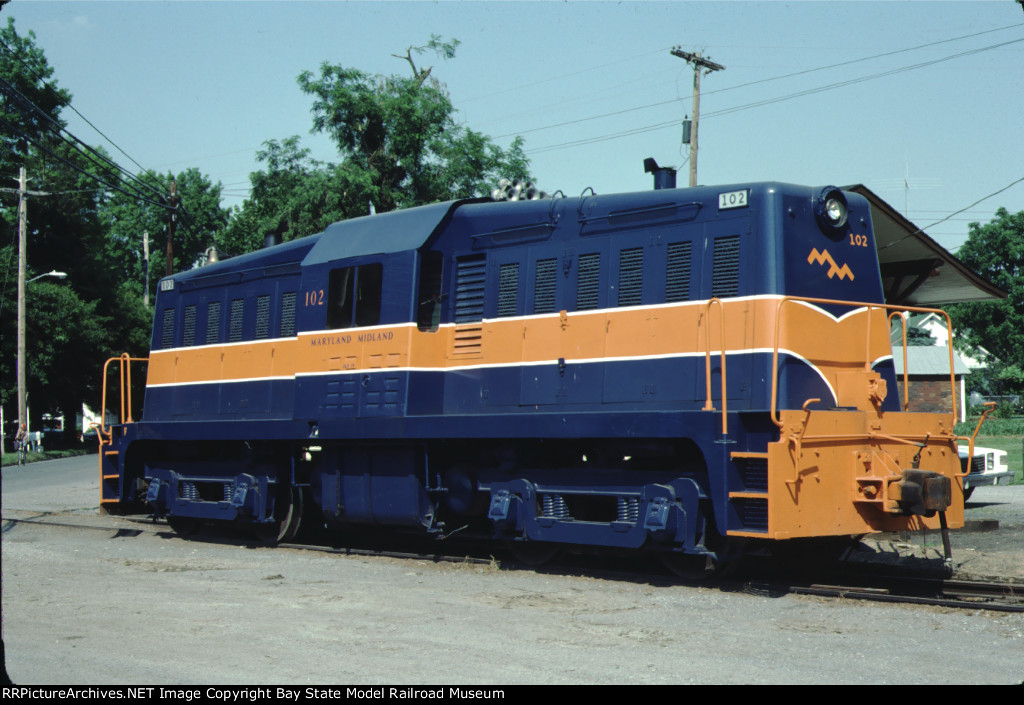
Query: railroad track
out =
(905, 589)
(962, 594)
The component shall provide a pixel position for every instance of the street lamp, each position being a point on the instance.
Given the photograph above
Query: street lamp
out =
(52, 273)
(22, 396)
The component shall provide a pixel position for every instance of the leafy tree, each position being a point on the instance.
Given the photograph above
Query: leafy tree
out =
(25, 78)
(294, 196)
(201, 222)
(918, 336)
(399, 133)
(399, 145)
(996, 252)
(81, 226)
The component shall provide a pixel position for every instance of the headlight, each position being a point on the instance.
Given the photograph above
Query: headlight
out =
(990, 461)
(830, 208)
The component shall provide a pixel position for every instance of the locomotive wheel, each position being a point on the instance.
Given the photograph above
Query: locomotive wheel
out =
(183, 526)
(287, 518)
(533, 554)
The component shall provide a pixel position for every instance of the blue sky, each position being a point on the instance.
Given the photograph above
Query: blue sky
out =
(203, 84)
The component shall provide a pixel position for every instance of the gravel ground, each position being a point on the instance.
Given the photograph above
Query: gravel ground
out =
(118, 606)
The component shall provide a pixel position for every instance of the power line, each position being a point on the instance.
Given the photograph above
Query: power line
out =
(780, 77)
(966, 208)
(730, 88)
(866, 58)
(769, 101)
(68, 103)
(78, 168)
(74, 142)
(564, 75)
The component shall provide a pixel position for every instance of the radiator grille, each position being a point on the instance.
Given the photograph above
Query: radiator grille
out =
(588, 281)
(508, 289)
(677, 274)
(544, 287)
(725, 277)
(189, 333)
(631, 276)
(167, 331)
(287, 327)
(262, 316)
(213, 322)
(235, 324)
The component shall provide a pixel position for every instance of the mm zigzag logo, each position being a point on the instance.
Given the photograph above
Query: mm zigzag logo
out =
(834, 269)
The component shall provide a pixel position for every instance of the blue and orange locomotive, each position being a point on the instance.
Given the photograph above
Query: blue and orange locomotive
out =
(678, 371)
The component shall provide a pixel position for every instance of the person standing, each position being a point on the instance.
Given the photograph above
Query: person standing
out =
(21, 443)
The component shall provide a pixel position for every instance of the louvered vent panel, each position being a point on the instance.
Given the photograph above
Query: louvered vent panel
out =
(235, 324)
(725, 277)
(508, 289)
(213, 322)
(189, 334)
(469, 289)
(631, 273)
(287, 327)
(588, 281)
(167, 332)
(544, 287)
(677, 274)
(467, 340)
(262, 316)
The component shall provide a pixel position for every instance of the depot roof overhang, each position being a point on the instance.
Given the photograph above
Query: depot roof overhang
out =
(916, 270)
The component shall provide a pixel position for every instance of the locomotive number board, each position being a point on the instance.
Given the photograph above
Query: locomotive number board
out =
(732, 199)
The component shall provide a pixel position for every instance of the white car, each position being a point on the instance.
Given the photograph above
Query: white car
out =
(987, 467)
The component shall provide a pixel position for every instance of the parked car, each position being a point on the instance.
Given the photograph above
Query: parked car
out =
(987, 467)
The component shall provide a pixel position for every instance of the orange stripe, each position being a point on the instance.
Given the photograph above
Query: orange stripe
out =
(670, 330)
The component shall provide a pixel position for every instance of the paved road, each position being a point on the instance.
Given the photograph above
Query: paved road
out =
(117, 606)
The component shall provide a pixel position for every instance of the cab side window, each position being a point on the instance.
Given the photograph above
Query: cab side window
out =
(354, 296)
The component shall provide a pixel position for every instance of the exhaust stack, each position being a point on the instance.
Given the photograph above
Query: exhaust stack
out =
(664, 176)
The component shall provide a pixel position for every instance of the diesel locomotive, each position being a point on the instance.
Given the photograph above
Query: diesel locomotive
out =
(683, 371)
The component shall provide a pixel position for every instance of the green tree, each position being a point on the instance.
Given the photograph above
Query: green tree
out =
(295, 195)
(399, 146)
(996, 252)
(31, 98)
(80, 225)
(400, 136)
(201, 222)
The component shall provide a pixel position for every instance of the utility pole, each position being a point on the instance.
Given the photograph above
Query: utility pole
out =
(22, 363)
(699, 62)
(145, 256)
(172, 200)
(22, 256)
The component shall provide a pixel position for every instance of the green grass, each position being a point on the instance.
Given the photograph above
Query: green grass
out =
(12, 458)
(993, 426)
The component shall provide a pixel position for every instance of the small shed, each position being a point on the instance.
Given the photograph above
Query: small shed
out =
(928, 383)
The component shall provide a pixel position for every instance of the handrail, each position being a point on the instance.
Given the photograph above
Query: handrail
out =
(125, 378)
(869, 306)
(708, 405)
(906, 383)
(970, 439)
